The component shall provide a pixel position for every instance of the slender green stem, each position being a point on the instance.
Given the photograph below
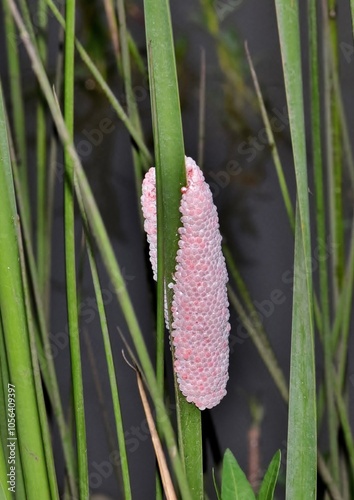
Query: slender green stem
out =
(41, 156)
(70, 260)
(112, 377)
(336, 219)
(46, 437)
(301, 479)
(161, 298)
(321, 238)
(302, 429)
(52, 172)
(330, 155)
(18, 111)
(5, 378)
(14, 320)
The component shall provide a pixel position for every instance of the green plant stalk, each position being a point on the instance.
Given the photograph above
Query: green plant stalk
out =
(301, 476)
(18, 111)
(49, 196)
(70, 265)
(321, 237)
(112, 376)
(41, 151)
(98, 230)
(302, 436)
(336, 218)
(46, 437)
(170, 177)
(105, 88)
(52, 171)
(160, 312)
(330, 154)
(13, 314)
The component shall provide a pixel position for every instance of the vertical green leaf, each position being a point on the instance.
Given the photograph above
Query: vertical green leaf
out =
(302, 440)
(18, 109)
(111, 375)
(321, 232)
(70, 260)
(301, 473)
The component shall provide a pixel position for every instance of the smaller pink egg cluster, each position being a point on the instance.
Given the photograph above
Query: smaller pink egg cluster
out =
(200, 327)
(148, 204)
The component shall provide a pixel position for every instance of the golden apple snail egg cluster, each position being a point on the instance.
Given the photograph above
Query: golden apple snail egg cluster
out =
(200, 327)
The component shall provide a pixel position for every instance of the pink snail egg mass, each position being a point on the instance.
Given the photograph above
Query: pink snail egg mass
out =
(200, 304)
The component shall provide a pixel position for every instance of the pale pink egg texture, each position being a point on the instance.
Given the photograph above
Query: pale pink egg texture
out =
(200, 327)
